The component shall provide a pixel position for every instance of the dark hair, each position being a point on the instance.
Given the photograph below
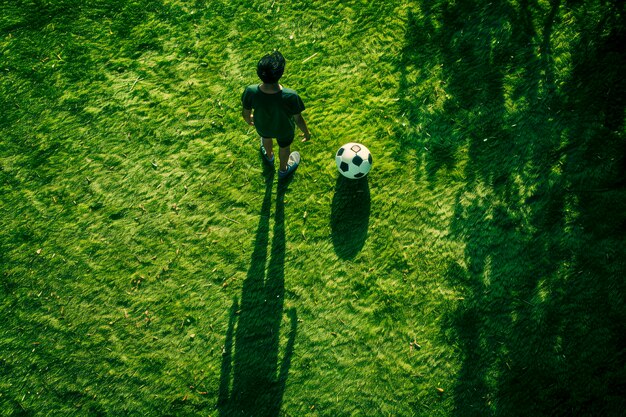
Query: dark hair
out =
(271, 67)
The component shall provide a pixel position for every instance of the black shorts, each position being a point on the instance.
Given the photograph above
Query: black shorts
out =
(284, 143)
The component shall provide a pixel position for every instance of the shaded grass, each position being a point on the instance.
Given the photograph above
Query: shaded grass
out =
(528, 106)
(141, 236)
(349, 216)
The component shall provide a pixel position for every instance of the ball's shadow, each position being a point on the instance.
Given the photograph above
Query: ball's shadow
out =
(349, 218)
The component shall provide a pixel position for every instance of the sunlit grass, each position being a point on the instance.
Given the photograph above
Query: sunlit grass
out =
(152, 266)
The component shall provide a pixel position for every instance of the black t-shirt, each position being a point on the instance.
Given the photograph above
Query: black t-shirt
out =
(273, 113)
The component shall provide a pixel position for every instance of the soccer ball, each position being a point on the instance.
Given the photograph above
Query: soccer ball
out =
(353, 160)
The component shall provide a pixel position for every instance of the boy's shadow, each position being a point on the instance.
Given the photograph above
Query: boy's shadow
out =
(349, 218)
(252, 383)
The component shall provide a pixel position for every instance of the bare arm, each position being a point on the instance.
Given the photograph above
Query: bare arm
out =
(247, 116)
(303, 127)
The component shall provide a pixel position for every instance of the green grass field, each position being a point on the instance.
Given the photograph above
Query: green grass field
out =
(150, 265)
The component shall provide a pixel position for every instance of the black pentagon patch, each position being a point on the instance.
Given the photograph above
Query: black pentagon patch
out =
(355, 148)
(340, 151)
(359, 175)
(344, 167)
(357, 160)
(369, 158)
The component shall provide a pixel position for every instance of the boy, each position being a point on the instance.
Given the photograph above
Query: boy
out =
(277, 110)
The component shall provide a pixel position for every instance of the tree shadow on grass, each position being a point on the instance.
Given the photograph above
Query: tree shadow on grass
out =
(542, 214)
(349, 219)
(252, 381)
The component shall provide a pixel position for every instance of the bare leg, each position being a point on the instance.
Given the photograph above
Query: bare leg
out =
(283, 155)
(267, 144)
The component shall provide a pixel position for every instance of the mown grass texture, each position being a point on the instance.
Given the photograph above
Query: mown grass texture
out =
(152, 266)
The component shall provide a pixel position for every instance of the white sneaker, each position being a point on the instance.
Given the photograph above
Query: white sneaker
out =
(292, 165)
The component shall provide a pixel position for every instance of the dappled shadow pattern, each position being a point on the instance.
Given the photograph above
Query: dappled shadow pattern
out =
(542, 217)
(349, 219)
(252, 381)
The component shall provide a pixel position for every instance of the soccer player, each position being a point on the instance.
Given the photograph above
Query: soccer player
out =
(274, 111)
